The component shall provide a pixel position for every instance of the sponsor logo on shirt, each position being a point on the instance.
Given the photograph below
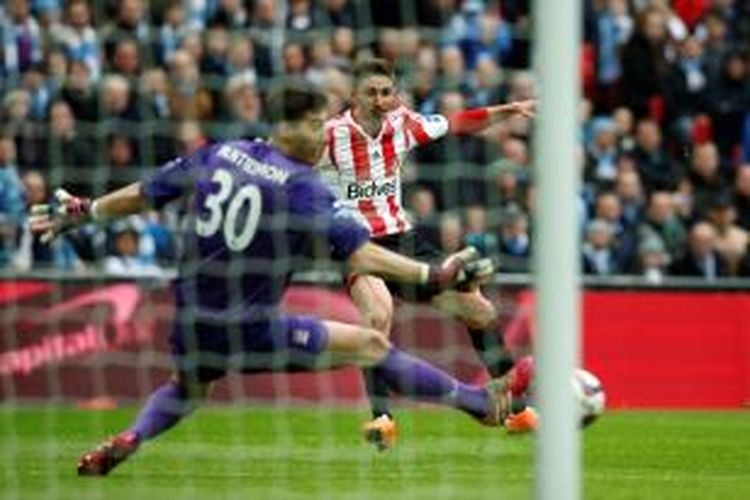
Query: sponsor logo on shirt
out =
(371, 189)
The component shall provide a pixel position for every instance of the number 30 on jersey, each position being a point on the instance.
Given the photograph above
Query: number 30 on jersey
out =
(244, 204)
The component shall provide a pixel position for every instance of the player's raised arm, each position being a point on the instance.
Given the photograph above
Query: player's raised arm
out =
(475, 120)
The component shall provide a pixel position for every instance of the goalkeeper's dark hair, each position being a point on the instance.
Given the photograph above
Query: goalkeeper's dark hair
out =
(371, 67)
(293, 99)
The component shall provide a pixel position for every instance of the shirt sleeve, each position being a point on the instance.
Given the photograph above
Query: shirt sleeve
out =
(314, 206)
(421, 129)
(168, 182)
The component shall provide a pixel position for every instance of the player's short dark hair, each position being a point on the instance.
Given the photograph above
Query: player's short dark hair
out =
(370, 67)
(292, 100)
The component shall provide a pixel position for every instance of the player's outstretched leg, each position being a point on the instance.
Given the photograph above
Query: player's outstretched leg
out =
(167, 405)
(479, 315)
(415, 378)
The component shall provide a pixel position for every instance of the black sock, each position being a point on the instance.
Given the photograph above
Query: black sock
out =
(377, 393)
(491, 350)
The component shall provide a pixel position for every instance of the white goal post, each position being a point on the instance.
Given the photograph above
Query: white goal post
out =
(556, 39)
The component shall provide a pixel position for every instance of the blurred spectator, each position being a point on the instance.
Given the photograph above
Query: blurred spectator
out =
(244, 109)
(240, 60)
(742, 196)
(624, 123)
(731, 240)
(609, 209)
(505, 184)
(714, 34)
(295, 60)
(453, 70)
(691, 83)
(79, 38)
(656, 166)
(341, 12)
(21, 39)
(451, 233)
(122, 159)
(130, 23)
(230, 14)
(599, 253)
(343, 46)
(338, 87)
(68, 155)
(262, 32)
(301, 17)
(676, 28)
(126, 259)
(215, 60)
(614, 26)
(34, 82)
(56, 67)
(487, 87)
(154, 94)
(17, 123)
(421, 204)
(661, 223)
(653, 261)
(701, 259)
(80, 93)
(172, 31)
(477, 234)
(126, 59)
(602, 153)
(11, 202)
(645, 68)
(515, 240)
(629, 190)
(187, 97)
(729, 99)
(704, 177)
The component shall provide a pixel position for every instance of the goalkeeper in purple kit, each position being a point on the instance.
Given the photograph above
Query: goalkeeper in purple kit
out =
(257, 212)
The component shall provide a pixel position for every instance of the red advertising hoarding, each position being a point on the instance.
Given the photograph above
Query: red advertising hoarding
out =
(83, 340)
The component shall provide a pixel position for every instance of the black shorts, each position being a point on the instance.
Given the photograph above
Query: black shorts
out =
(418, 247)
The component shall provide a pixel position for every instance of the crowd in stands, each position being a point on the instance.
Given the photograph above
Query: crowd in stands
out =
(94, 94)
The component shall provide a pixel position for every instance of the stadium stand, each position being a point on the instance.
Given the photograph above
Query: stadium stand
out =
(95, 93)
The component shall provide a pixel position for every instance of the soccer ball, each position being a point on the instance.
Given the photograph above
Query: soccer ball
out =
(589, 393)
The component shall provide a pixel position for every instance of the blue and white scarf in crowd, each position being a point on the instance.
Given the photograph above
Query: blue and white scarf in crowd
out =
(21, 46)
(83, 46)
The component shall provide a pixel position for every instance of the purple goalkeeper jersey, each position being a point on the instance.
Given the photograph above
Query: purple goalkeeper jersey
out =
(254, 215)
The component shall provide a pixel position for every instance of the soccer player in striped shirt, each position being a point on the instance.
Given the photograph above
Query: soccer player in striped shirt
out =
(365, 148)
(255, 212)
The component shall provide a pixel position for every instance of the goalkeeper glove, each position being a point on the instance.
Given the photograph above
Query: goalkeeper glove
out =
(67, 211)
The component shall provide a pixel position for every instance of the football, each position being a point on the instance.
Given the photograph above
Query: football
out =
(590, 395)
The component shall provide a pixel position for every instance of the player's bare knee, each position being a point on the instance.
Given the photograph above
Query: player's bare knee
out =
(375, 346)
(379, 318)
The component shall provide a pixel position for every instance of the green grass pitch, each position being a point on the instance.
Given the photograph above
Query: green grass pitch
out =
(267, 453)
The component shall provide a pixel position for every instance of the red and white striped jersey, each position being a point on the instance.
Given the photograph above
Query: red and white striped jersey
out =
(365, 172)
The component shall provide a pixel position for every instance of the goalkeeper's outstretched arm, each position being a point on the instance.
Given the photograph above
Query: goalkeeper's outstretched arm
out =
(70, 211)
(126, 201)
